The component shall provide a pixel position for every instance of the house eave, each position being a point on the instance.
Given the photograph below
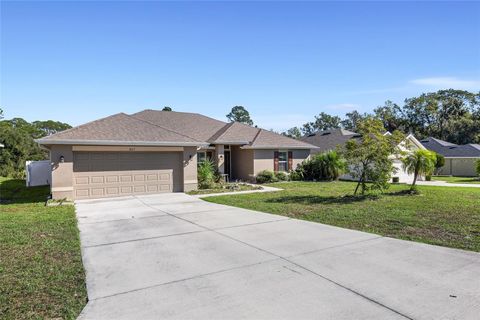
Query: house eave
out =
(119, 143)
(279, 147)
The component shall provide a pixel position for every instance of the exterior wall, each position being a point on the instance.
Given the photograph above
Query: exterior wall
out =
(190, 181)
(242, 163)
(62, 173)
(299, 156)
(220, 157)
(462, 167)
(264, 159)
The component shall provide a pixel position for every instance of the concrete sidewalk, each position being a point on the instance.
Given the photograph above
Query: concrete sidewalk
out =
(175, 256)
(437, 183)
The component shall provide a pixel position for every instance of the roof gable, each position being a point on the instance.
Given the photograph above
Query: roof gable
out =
(194, 125)
(119, 127)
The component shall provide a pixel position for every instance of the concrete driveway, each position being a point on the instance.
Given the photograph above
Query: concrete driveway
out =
(176, 256)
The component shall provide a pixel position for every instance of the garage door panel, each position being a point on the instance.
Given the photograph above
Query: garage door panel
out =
(104, 174)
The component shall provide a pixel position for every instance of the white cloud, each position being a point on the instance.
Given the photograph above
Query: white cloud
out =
(342, 107)
(447, 83)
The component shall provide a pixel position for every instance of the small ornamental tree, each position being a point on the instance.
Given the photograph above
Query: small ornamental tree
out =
(370, 158)
(419, 162)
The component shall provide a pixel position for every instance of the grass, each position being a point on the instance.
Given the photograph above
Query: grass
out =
(451, 179)
(439, 215)
(41, 271)
(223, 189)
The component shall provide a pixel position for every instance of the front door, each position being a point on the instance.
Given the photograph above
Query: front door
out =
(227, 163)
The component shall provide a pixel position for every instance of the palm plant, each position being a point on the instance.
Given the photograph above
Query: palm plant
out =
(206, 174)
(419, 162)
(331, 165)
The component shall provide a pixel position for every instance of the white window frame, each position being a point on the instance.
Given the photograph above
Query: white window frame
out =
(283, 161)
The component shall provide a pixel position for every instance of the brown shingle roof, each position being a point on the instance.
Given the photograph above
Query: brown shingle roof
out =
(270, 140)
(120, 127)
(171, 128)
(235, 133)
(193, 125)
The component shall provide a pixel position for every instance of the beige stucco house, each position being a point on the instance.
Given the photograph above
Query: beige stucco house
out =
(158, 151)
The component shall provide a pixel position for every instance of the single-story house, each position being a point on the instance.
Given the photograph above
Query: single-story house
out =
(332, 139)
(459, 159)
(157, 151)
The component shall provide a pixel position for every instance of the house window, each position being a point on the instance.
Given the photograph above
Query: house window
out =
(204, 155)
(201, 156)
(283, 161)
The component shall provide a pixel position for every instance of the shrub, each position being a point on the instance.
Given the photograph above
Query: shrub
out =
(428, 178)
(477, 167)
(266, 176)
(440, 162)
(297, 174)
(206, 174)
(281, 176)
(324, 166)
(395, 179)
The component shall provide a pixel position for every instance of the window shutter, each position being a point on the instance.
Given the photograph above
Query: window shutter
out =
(290, 160)
(275, 161)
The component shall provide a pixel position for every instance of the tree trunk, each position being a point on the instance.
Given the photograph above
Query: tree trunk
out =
(415, 175)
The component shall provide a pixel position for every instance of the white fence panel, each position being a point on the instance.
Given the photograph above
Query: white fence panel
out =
(39, 173)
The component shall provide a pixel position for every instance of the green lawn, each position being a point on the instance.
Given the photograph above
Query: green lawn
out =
(41, 271)
(451, 179)
(439, 215)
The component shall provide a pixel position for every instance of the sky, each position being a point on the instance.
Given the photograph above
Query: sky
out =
(284, 61)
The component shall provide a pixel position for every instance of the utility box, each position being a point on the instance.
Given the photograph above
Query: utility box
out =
(39, 173)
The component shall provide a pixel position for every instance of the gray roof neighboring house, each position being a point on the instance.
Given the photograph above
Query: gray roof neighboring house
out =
(170, 128)
(451, 150)
(329, 139)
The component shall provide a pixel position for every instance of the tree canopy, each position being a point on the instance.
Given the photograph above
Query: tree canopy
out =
(451, 115)
(369, 158)
(240, 114)
(17, 135)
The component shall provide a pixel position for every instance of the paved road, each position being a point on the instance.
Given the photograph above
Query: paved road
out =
(176, 256)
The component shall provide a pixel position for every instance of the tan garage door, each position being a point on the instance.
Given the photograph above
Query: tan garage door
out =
(110, 174)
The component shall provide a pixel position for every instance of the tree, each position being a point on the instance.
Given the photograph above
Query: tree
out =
(439, 162)
(18, 148)
(419, 162)
(1, 113)
(293, 133)
(45, 128)
(167, 109)
(18, 137)
(351, 120)
(432, 114)
(240, 114)
(323, 121)
(390, 114)
(369, 158)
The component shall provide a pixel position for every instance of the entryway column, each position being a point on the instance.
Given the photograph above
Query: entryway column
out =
(220, 158)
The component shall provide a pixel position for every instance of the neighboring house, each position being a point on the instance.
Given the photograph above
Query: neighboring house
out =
(157, 151)
(459, 159)
(332, 139)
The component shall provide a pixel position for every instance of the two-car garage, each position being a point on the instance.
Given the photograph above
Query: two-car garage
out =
(109, 174)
